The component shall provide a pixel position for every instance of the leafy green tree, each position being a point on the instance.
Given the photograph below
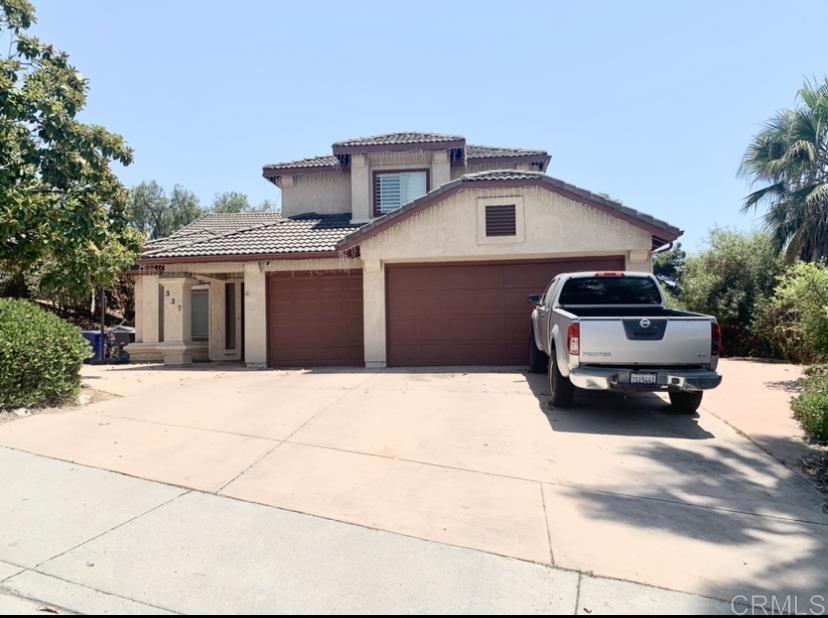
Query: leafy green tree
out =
(266, 206)
(157, 215)
(150, 207)
(789, 157)
(230, 202)
(184, 207)
(61, 206)
(730, 279)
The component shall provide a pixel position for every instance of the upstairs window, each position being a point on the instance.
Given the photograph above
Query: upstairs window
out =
(395, 189)
(501, 220)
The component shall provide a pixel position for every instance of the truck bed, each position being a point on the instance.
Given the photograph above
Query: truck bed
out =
(644, 312)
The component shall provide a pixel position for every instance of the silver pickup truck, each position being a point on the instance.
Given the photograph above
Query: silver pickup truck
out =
(613, 331)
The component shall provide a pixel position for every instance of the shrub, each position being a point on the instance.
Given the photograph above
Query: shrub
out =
(780, 330)
(811, 407)
(735, 274)
(803, 293)
(40, 356)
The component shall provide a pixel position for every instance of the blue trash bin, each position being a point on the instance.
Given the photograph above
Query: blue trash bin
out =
(97, 342)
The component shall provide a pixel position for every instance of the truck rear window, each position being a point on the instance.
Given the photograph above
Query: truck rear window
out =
(610, 291)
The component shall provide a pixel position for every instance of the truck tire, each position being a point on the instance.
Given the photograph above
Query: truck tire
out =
(538, 360)
(560, 387)
(686, 402)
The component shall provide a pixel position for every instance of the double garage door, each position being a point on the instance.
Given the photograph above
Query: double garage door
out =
(469, 314)
(436, 314)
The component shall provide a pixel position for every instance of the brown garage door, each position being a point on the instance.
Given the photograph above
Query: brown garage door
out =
(314, 318)
(469, 313)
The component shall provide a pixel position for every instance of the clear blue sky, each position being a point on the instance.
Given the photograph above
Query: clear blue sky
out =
(651, 102)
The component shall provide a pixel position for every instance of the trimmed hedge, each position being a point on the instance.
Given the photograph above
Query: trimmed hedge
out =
(40, 356)
(811, 407)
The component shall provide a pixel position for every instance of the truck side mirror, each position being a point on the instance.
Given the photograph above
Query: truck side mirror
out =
(534, 299)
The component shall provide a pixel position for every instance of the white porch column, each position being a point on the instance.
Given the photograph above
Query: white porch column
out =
(255, 316)
(138, 295)
(373, 302)
(217, 335)
(146, 348)
(177, 346)
(149, 308)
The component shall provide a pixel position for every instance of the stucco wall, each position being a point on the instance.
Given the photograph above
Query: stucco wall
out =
(328, 193)
(553, 226)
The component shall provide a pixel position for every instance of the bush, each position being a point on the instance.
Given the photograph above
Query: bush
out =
(811, 407)
(804, 291)
(734, 275)
(781, 333)
(40, 356)
(795, 319)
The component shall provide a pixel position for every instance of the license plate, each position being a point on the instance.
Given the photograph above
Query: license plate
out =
(643, 378)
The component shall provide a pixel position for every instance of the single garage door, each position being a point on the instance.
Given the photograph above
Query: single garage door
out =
(469, 313)
(314, 318)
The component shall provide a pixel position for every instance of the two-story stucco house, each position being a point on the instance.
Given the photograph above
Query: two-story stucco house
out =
(400, 249)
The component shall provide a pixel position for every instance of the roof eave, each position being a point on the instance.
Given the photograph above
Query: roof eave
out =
(542, 160)
(367, 148)
(271, 173)
(251, 257)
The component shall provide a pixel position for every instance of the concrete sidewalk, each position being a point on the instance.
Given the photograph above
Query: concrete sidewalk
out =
(89, 541)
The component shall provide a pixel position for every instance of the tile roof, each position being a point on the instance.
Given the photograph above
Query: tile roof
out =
(217, 235)
(310, 162)
(492, 152)
(333, 162)
(408, 137)
(495, 175)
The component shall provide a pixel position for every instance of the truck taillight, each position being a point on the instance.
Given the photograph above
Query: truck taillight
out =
(606, 273)
(573, 339)
(715, 339)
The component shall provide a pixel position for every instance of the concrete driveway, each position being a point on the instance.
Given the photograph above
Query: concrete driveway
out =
(617, 487)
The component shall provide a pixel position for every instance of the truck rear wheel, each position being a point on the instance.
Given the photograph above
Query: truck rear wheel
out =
(686, 402)
(560, 387)
(538, 360)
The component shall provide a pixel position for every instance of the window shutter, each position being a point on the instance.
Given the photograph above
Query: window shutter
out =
(500, 220)
(388, 192)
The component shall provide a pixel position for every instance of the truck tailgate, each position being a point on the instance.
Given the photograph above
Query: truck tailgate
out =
(645, 341)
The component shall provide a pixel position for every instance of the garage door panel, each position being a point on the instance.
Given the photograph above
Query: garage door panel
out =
(469, 314)
(315, 318)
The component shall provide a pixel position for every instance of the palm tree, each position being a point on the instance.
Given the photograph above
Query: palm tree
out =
(789, 157)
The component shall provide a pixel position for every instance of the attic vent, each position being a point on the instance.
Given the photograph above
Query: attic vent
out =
(500, 220)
